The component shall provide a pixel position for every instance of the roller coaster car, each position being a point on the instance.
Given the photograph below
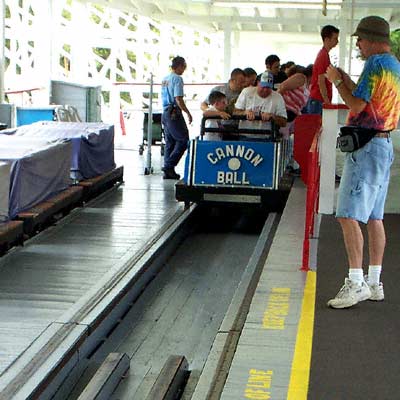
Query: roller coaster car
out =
(246, 167)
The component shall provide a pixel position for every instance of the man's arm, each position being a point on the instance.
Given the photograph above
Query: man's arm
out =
(182, 106)
(216, 113)
(204, 106)
(355, 104)
(238, 111)
(280, 121)
(250, 114)
(347, 80)
(293, 82)
(322, 88)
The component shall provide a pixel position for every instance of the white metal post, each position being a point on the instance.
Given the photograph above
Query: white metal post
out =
(44, 46)
(227, 51)
(148, 169)
(327, 153)
(80, 48)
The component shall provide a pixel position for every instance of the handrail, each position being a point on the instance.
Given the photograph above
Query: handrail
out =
(313, 174)
(159, 84)
(273, 132)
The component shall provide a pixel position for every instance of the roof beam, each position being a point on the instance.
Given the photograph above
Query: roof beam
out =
(246, 20)
(161, 8)
(278, 14)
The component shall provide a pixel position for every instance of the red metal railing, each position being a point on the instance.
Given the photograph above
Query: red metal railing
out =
(307, 130)
(313, 173)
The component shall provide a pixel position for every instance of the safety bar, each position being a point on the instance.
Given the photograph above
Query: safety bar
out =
(234, 127)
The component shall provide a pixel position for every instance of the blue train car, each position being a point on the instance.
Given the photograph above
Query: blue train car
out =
(247, 166)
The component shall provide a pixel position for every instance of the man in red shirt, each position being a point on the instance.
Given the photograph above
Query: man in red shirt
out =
(321, 88)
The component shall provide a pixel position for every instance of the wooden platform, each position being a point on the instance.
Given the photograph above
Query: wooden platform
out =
(11, 233)
(44, 281)
(45, 213)
(94, 186)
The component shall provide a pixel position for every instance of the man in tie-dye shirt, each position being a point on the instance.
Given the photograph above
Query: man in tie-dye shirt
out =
(374, 102)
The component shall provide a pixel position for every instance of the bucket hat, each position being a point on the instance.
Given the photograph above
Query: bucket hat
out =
(374, 29)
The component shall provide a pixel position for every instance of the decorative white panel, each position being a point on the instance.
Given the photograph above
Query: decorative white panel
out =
(91, 44)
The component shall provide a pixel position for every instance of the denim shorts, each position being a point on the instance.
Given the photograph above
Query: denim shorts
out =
(314, 106)
(365, 180)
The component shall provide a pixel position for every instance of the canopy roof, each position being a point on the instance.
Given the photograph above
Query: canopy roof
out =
(288, 16)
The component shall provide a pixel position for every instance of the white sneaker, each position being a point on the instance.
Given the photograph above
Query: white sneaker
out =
(350, 294)
(376, 290)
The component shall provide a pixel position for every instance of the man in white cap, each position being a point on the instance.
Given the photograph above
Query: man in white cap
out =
(261, 101)
(374, 103)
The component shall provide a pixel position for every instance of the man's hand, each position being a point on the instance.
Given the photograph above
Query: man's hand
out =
(347, 80)
(190, 118)
(224, 115)
(332, 73)
(266, 116)
(250, 115)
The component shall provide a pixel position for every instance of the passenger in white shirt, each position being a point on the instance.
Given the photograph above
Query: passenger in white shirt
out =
(261, 101)
(217, 108)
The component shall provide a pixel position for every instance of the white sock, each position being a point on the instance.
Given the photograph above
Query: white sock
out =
(356, 275)
(374, 274)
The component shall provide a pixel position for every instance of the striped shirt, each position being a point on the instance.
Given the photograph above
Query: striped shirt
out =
(296, 99)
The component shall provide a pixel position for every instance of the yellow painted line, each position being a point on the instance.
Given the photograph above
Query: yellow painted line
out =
(300, 373)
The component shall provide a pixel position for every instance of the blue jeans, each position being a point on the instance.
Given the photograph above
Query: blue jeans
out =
(365, 180)
(313, 106)
(176, 136)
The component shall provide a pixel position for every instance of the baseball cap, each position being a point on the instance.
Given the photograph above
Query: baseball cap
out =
(373, 28)
(267, 80)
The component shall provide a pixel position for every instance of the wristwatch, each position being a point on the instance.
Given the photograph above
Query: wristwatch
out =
(337, 82)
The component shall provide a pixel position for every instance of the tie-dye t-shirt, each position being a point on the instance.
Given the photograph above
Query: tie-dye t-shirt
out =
(379, 86)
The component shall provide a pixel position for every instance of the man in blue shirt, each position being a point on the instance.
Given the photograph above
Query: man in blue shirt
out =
(175, 130)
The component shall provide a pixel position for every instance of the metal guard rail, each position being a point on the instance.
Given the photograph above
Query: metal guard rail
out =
(313, 175)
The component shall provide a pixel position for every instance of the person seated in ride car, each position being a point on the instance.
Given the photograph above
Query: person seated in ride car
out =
(217, 107)
(251, 77)
(261, 101)
(231, 89)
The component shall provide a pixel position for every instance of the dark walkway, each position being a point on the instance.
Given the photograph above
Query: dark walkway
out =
(355, 351)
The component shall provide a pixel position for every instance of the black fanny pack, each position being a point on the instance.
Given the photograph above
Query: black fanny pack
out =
(174, 111)
(352, 138)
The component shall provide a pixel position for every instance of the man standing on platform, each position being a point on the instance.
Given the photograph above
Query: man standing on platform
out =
(374, 103)
(320, 87)
(175, 130)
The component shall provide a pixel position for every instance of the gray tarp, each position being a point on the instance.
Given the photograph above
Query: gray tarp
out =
(92, 144)
(38, 170)
(4, 189)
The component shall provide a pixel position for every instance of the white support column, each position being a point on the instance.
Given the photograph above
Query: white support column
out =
(80, 47)
(2, 44)
(115, 108)
(343, 35)
(351, 29)
(327, 151)
(44, 46)
(227, 51)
